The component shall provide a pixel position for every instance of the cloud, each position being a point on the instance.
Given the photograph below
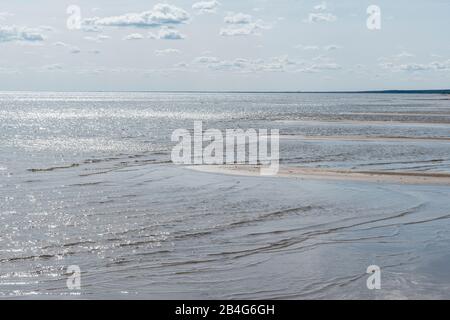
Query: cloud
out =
(320, 17)
(246, 30)
(307, 47)
(238, 18)
(206, 60)
(75, 50)
(46, 28)
(320, 14)
(330, 47)
(241, 24)
(181, 65)
(404, 54)
(167, 33)
(414, 67)
(72, 49)
(52, 67)
(99, 38)
(396, 58)
(134, 36)
(60, 44)
(441, 65)
(319, 64)
(397, 66)
(325, 66)
(161, 14)
(166, 51)
(243, 65)
(23, 34)
(4, 70)
(321, 7)
(400, 62)
(206, 6)
(274, 64)
(4, 15)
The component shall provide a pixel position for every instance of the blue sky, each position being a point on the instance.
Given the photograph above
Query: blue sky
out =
(224, 45)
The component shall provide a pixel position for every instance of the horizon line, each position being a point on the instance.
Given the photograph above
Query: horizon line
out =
(393, 91)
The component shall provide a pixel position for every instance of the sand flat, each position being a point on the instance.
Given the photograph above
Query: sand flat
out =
(334, 174)
(365, 138)
(364, 122)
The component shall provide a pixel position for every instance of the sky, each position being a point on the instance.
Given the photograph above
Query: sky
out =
(242, 45)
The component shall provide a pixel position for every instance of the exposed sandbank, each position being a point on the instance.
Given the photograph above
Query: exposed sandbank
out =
(334, 174)
(366, 138)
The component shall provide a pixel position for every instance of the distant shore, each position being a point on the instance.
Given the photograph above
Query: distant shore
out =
(430, 91)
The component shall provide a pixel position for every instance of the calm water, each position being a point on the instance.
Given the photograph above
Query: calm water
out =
(86, 180)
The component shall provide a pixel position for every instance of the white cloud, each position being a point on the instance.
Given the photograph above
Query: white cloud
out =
(14, 33)
(4, 70)
(245, 30)
(205, 60)
(321, 17)
(170, 34)
(161, 14)
(134, 36)
(60, 44)
(274, 64)
(397, 66)
(404, 54)
(181, 65)
(46, 28)
(332, 47)
(307, 47)
(326, 66)
(206, 6)
(414, 67)
(321, 7)
(238, 18)
(166, 51)
(319, 64)
(99, 38)
(75, 50)
(441, 65)
(320, 14)
(72, 49)
(243, 65)
(52, 67)
(4, 15)
(241, 24)
(167, 33)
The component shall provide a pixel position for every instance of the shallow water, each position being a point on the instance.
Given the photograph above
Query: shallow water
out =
(86, 180)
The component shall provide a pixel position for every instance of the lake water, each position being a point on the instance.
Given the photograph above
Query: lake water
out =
(86, 179)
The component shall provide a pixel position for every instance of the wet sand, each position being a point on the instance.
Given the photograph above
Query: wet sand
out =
(334, 174)
(364, 122)
(366, 138)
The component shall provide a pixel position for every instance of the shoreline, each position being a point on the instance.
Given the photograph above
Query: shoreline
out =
(364, 138)
(410, 178)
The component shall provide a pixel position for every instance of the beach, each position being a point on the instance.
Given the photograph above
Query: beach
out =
(327, 174)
